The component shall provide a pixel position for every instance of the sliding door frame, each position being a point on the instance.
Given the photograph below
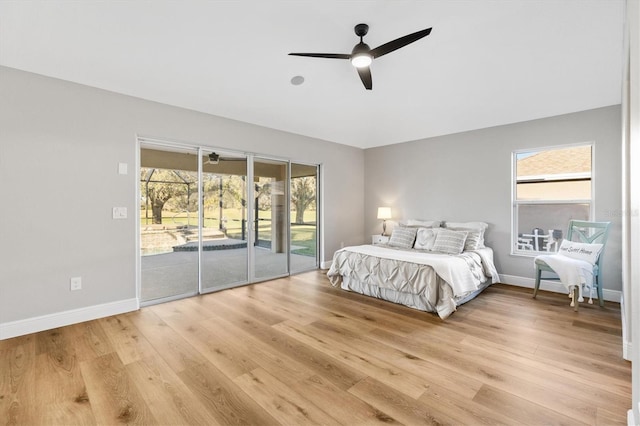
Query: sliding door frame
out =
(251, 194)
(251, 260)
(142, 140)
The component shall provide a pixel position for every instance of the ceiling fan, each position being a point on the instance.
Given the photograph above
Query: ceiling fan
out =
(362, 55)
(214, 159)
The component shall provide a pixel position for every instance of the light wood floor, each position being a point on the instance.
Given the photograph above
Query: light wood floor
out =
(297, 351)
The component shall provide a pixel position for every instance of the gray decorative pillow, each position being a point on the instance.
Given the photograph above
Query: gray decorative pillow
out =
(402, 237)
(474, 238)
(473, 241)
(450, 242)
(469, 226)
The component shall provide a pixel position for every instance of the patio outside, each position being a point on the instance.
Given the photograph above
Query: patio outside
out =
(169, 231)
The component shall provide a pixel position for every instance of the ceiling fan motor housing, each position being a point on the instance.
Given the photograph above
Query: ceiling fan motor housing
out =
(360, 48)
(361, 30)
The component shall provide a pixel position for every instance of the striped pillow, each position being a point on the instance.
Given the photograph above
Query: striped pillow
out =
(480, 227)
(474, 239)
(403, 237)
(450, 242)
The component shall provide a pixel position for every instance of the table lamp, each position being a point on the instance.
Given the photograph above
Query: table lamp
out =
(384, 213)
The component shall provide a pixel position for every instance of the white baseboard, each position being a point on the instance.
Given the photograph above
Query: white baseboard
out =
(554, 286)
(60, 319)
(630, 420)
(325, 265)
(627, 350)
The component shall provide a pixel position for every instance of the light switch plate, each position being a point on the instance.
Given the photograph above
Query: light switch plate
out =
(123, 168)
(119, 212)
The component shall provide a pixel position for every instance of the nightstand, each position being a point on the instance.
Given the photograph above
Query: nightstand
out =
(379, 239)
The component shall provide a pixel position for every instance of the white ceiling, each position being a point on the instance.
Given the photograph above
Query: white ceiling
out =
(486, 62)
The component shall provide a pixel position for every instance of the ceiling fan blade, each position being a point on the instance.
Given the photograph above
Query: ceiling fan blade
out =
(324, 55)
(365, 76)
(398, 43)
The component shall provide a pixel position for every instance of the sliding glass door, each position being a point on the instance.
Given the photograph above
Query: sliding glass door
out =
(224, 221)
(270, 218)
(304, 217)
(211, 220)
(168, 223)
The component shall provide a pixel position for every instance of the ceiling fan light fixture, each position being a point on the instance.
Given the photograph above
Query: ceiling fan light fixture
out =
(361, 55)
(361, 60)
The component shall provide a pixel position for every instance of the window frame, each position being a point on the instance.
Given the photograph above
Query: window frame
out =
(515, 203)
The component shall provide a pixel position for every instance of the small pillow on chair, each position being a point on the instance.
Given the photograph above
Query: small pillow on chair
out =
(580, 251)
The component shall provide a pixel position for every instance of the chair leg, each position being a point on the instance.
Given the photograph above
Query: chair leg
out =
(537, 284)
(599, 288)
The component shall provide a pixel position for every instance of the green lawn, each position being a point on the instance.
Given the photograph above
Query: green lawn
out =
(303, 236)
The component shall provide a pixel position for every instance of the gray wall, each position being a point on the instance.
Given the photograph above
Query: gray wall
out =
(60, 145)
(467, 177)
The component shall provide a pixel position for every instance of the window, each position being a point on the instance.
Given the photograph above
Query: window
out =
(550, 187)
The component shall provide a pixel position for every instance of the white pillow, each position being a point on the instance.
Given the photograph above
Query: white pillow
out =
(580, 251)
(426, 238)
(403, 237)
(480, 226)
(450, 242)
(422, 223)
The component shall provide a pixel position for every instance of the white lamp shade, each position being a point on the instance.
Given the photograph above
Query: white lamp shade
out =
(384, 212)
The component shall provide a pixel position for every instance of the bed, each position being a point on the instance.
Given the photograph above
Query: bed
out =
(433, 269)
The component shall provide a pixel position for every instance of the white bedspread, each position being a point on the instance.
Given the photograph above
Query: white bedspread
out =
(452, 269)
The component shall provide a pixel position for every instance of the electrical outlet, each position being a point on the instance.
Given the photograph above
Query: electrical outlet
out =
(75, 283)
